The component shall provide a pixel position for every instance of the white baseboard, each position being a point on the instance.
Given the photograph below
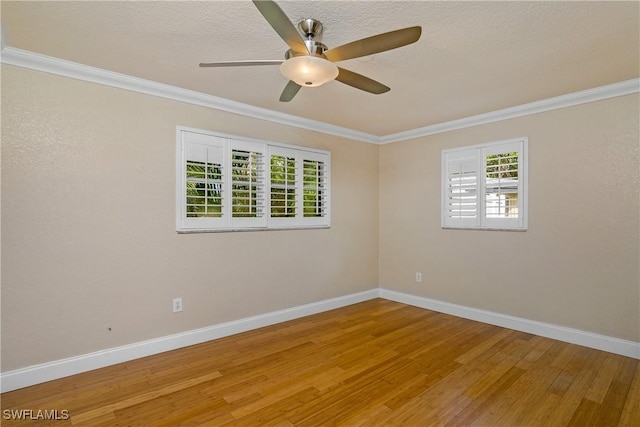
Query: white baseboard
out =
(37, 374)
(560, 333)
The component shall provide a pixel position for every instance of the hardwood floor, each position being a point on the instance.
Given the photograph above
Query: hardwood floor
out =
(378, 363)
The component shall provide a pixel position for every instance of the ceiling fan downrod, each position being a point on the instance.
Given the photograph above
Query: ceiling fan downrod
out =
(310, 29)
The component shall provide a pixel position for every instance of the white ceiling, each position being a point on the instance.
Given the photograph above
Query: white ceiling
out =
(472, 58)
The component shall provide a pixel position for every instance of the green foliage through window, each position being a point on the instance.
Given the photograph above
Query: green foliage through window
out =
(204, 190)
(283, 186)
(246, 188)
(313, 182)
(229, 184)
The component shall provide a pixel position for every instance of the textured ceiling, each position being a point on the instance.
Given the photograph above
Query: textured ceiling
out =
(473, 57)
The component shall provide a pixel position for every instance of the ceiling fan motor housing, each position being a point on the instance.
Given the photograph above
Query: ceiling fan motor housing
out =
(315, 49)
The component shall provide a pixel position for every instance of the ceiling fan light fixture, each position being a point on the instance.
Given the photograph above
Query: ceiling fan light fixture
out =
(308, 70)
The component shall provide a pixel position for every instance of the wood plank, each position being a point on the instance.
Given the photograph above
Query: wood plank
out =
(602, 381)
(374, 363)
(631, 411)
(585, 414)
(616, 397)
(583, 367)
(516, 401)
(135, 400)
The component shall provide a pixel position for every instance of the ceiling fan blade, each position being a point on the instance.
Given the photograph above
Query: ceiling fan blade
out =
(241, 63)
(290, 90)
(374, 44)
(361, 82)
(282, 24)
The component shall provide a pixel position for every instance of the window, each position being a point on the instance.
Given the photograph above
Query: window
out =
(485, 186)
(298, 187)
(283, 176)
(247, 185)
(228, 183)
(203, 181)
(314, 184)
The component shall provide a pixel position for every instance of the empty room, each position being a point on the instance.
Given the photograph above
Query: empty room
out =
(315, 213)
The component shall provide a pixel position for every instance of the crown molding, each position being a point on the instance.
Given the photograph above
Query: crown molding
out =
(576, 98)
(48, 64)
(34, 61)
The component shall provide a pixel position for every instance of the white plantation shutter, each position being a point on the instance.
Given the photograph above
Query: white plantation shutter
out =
(284, 194)
(503, 180)
(485, 186)
(203, 181)
(225, 183)
(247, 185)
(298, 188)
(460, 202)
(315, 188)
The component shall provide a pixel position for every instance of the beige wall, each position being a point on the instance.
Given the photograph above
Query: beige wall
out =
(88, 224)
(89, 241)
(576, 266)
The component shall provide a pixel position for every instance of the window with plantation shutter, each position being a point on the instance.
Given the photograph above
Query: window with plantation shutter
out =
(299, 188)
(315, 180)
(226, 183)
(203, 181)
(485, 186)
(461, 192)
(283, 184)
(502, 167)
(247, 185)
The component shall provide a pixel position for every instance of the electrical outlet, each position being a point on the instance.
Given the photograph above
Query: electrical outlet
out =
(177, 305)
(418, 277)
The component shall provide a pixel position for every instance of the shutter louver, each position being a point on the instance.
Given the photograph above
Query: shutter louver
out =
(463, 195)
(315, 184)
(503, 176)
(204, 182)
(283, 185)
(460, 203)
(314, 180)
(298, 188)
(501, 185)
(247, 184)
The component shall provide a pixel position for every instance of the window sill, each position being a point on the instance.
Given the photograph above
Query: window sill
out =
(483, 228)
(234, 230)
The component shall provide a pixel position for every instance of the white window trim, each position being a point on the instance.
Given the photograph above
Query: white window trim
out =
(481, 222)
(266, 222)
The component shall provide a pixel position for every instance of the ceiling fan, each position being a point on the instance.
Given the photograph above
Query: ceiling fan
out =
(310, 63)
